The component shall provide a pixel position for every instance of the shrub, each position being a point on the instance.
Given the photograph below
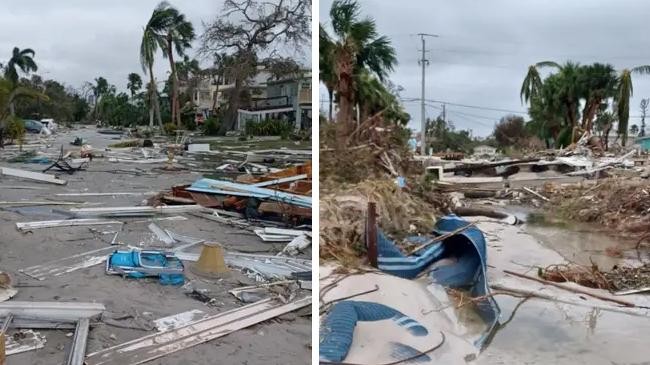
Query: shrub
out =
(269, 127)
(169, 129)
(15, 129)
(211, 126)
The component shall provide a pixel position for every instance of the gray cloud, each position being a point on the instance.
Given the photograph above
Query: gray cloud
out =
(78, 40)
(485, 47)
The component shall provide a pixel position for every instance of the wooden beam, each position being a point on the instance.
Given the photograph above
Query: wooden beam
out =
(30, 175)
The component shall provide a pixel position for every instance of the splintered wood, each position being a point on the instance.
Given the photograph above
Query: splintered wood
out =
(342, 217)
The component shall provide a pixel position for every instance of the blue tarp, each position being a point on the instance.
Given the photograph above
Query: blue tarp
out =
(337, 330)
(468, 272)
(223, 187)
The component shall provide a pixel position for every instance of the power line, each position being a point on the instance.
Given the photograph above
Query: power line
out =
(468, 106)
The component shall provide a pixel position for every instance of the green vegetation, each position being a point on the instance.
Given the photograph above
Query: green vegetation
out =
(15, 129)
(354, 64)
(170, 129)
(442, 136)
(211, 126)
(554, 102)
(269, 127)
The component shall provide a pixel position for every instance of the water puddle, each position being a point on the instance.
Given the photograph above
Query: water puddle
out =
(582, 244)
(536, 331)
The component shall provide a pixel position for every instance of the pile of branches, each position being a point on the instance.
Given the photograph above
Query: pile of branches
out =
(622, 205)
(589, 276)
(618, 279)
(375, 149)
(629, 278)
(400, 213)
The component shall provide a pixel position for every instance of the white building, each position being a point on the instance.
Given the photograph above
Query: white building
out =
(485, 150)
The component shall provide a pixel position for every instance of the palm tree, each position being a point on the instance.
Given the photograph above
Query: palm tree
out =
(356, 46)
(326, 67)
(135, 83)
(531, 86)
(177, 35)
(220, 67)
(99, 89)
(148, 47)
(624, 91)
(22, 60)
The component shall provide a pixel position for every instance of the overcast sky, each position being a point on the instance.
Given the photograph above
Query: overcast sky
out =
(79, 40)
(485, 47)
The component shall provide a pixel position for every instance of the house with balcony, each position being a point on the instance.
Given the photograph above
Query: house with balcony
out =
(287, 98)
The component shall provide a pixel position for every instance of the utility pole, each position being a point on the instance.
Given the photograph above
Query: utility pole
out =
(444, 113)
(423, 62)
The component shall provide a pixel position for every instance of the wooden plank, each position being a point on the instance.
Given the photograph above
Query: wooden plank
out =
(68, 264)
(280, 181)
(135, 211)
(107, 194)
(30, 175)
(51, 311)
(26, 226)
(279, 208)
(158, 345)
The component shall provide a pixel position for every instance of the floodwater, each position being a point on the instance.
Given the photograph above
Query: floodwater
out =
(537, 331)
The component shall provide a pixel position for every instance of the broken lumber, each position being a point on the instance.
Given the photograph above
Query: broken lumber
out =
(280, 181)
(575, 290)
(67, 264)
(157, 345)
(30, 175)
(51, 311)
(533, 192)
(27, 226)
(135, 211)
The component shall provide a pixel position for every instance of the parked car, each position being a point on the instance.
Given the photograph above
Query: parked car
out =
(50, 124)
(33, 126)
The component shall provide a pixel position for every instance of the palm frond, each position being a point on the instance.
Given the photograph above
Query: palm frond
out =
(643, 70)
(548, 64)
(343, 14)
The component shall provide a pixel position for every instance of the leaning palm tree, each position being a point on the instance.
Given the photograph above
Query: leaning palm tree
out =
(356, 45)
(22, 60)
(624, 91)
(176, 35)
(156, 26)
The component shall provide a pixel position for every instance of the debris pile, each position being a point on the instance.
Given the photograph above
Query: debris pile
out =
(138, 243)
(342, 217)
(620, 204)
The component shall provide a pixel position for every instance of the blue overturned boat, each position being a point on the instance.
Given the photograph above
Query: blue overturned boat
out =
(465, 269)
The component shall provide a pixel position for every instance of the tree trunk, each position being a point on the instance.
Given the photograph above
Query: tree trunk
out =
(230, 119)
(344, 119)
(215, 97)
(176, 114)
(152, 92)
(12, 109)
(330, 91)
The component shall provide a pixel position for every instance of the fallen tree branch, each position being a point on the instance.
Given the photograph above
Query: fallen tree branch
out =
(574, 290)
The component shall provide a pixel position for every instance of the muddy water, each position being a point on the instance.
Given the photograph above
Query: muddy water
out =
(583, 244)
(544, 332)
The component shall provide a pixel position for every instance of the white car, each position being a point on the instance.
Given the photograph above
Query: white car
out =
(50, 124)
